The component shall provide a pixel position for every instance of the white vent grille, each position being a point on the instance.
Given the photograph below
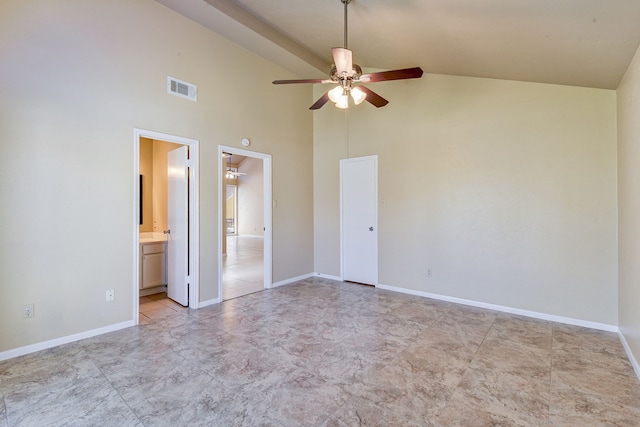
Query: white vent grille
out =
(182, 89)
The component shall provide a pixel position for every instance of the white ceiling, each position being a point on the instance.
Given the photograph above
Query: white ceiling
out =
(573, 42)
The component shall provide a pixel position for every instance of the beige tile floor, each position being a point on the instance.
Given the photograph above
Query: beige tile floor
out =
(326, 353)
(243, 266)
(158, 306)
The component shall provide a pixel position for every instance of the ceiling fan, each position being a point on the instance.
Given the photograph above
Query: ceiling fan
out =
(231, 171)
(349, 78)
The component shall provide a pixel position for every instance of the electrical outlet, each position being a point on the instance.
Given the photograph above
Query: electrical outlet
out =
(111, 295)
(429, 272)
(27, 311)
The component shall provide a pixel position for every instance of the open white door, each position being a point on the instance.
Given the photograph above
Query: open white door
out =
(178, 220)
(359, 219)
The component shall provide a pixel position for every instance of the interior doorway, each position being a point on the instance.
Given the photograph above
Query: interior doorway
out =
(159, 254)
(245, 235)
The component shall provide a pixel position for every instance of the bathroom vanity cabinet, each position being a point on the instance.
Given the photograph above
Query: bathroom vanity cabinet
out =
(153, 266)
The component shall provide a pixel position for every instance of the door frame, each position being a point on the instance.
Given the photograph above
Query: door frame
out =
(268, 214)
(194, 214)
(373, 158)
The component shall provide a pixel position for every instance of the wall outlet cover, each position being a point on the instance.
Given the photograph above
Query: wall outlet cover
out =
(27, 311)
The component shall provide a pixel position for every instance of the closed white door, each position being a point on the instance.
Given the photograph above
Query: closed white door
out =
(178, 219)
(359, 219)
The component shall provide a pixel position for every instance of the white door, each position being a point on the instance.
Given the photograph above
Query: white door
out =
(359, 219)
(178, 219)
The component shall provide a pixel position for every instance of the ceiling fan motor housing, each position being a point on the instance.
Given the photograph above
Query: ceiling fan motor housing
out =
(355, 76)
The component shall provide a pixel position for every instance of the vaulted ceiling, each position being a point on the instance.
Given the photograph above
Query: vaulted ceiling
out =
(571, 42)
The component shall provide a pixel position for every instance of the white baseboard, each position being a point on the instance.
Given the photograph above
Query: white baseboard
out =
(209, 302)
(632, 359)
(32, 348)
(291, 280)
(527, 313)
(328, 276)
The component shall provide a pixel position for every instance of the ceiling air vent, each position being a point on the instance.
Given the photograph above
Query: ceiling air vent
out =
(182, 89)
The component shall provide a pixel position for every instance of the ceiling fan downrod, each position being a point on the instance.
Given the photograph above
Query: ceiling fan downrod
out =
(346, 3)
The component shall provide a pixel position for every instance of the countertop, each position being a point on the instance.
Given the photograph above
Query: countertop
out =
(151, 237)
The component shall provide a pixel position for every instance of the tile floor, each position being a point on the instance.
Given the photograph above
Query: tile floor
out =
(326, 353)
(243, 266)
(158, 306)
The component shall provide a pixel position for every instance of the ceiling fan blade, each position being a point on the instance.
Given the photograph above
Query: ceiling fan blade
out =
(320, 102)
(373, 98)
(343, 59)
(405, 73)
(286, 82)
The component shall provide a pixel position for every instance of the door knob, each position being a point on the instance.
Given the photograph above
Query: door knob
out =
(370, 228)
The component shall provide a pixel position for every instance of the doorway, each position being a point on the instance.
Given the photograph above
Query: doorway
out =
(245, 237)
(181, 155)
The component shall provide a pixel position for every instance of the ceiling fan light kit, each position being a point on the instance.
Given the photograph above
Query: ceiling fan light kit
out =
(349, 78)
(358, 95)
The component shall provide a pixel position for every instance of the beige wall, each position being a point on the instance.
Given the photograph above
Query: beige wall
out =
(146, 170)
(507, 189)
(629, 205)
(76, 78)
(250, 197)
